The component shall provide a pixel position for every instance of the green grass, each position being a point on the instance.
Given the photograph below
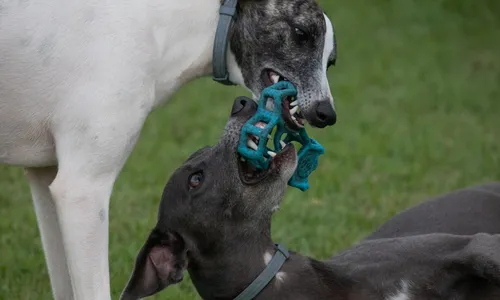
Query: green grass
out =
(418, 98)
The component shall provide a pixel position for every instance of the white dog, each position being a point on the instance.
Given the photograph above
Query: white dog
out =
(79, 77)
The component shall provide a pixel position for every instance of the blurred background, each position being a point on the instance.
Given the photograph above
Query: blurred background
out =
(418, 103)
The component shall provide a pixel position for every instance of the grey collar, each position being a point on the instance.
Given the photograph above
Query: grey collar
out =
(227, 14)
(272, 268)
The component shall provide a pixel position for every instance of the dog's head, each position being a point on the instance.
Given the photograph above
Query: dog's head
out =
(273, 40)
(213, 197)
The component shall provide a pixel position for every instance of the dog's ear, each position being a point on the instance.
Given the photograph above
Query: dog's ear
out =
(161, 262)
(473, 271)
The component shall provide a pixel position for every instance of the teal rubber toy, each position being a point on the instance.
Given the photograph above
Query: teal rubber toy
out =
(307, 156)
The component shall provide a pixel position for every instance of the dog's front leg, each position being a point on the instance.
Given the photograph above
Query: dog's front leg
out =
(48, 224)
(91, 151)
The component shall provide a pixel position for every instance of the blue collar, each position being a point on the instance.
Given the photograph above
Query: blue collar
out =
(227, 14)
(272, 268)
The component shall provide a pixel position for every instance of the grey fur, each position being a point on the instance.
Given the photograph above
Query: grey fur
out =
(447, 248)
(263, 38)
(465, 212)
(203, 219)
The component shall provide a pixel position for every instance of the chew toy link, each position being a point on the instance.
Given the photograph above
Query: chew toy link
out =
(271, 115)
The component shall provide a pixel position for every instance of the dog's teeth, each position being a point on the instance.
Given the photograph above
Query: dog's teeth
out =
(271, 153)
(252, 144)
(294, 103)
(275, 78)
(295, 119)
(283, 144)
(270, 104)
(293, 110)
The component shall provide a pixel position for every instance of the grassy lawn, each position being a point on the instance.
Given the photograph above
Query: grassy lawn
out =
(418, 98)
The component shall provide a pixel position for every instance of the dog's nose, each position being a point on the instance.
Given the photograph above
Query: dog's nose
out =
(243, 105)
(325, 115)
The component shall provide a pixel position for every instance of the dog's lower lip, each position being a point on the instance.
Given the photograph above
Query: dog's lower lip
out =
(248, 173)
(247, 176)
(289, 147)
(245, 169)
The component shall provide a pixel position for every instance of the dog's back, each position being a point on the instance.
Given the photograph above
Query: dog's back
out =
(443, 249)
(464, 212)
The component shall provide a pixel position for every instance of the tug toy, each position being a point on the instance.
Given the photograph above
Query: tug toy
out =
(271, 116)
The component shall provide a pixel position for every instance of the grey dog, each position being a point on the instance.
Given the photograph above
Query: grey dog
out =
(215, 218)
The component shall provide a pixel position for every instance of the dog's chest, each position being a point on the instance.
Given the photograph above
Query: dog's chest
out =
(25, 138)
(61, 58)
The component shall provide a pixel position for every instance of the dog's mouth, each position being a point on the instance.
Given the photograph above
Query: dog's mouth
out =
(249, 174)
(293, 117)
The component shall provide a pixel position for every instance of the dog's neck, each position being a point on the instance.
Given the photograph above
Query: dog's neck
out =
(225, 267)
(222, 268)
(183, 38)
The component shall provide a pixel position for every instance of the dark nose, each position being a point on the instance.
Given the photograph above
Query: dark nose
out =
(243, 106)
(325, 115)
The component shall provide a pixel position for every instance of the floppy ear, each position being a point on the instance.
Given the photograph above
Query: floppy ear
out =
(474, 271)
(161, 262)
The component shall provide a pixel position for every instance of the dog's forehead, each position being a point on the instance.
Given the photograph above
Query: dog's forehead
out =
(194, 162)
(295, 7)
(306, 14)
(300, 11)
(205, 157)
(199, 154)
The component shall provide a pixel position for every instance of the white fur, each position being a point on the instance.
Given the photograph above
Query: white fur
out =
(403, 293)
(267, 258)
(280, 277)
(71, 96)
(234, 70)
(327, 51)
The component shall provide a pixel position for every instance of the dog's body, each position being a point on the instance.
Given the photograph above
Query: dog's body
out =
(78, 79)
(415, 250)
(217, 227)
(463, 212)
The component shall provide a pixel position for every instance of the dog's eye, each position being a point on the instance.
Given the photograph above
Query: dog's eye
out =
(195, 180)
(300, 35)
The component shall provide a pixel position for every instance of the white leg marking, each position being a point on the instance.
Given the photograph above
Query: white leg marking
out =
(82, 203)
(39, 180)
(403, 293)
